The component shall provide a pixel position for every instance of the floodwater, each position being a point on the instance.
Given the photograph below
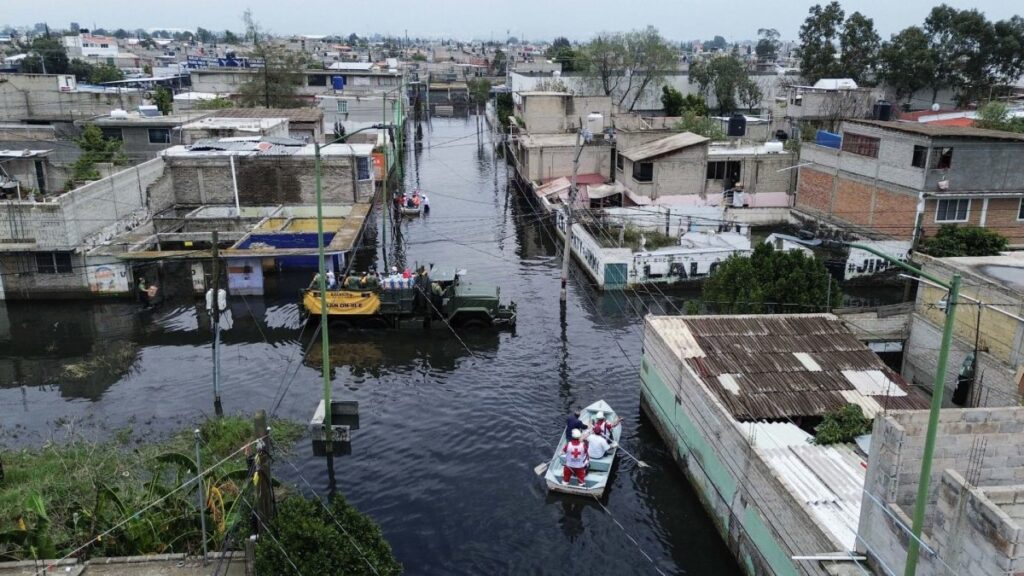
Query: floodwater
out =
(451, 426)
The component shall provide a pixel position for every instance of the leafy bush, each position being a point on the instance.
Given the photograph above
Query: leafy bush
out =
(842, 426)
(953, 240)
(95, 148)
(343, 542)
(702, 125)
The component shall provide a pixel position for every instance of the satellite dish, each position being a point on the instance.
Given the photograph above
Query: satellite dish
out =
(935, 107)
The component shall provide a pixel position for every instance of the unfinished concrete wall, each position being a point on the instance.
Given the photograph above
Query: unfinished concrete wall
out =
(547, 162)
(266, 180)
(977, 530)
(545, 114)
(752, 509)
(38, 97)
(985, 441)
(679, 173)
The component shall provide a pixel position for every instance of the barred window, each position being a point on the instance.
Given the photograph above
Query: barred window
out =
(860, 145)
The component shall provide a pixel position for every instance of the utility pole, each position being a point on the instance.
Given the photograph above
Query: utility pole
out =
(568, 219)
(322, 286)
(262, 478)
(384, 199)
(213, 306)
(200, 494)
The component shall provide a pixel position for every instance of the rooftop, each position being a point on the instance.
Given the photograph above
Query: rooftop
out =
(263, 146)
(23, 153)
(247, 123)
(664, 146)
(135, 118)
(1005, 270)
(933, 130)
(548, 140)
(783, 366)
(292, 114)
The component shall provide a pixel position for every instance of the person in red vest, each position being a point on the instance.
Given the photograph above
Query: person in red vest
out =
(603, 427)
(576, 459)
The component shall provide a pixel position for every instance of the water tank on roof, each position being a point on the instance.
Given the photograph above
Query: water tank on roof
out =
(338, 82)
(737, 125)
(781, 135)
(595, 122)
(882, 110)
(118, 113)
(774, 147)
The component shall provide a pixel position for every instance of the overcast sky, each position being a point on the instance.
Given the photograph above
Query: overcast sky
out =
(530, 19)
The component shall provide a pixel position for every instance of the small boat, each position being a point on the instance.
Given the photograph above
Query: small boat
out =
(600, 468)
(407, 211)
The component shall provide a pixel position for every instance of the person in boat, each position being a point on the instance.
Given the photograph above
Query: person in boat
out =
(351, 282)
(573, 422)
(576, 458)
(416, 199)
(603, 427)
(407, 273)
(143, 295)
(332, 281)
(597, 446)
(372, 280)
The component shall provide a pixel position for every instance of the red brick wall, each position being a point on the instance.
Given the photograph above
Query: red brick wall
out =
(814, 190)
(1001, 217)
(894, 213)
(853, 202)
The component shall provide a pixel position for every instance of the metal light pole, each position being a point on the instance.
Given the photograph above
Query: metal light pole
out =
(938, 391)
(566, 250)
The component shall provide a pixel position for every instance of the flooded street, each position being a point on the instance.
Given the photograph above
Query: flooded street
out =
(451, 426)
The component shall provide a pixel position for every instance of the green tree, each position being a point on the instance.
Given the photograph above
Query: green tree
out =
(605, 59)
(963, 42)
(276, 84)
(479, 90)
(699, 124)
(105, 73)
(818, 36)
(205, 36)
(310, 539)
(672, 100)
(164, 100)
(859, 45)
(95, 148)
(45, 55)
(561, 51)
(121, 34)
(952, 240)
(726, 77)
(718, 43)
(500, 63)
(996, 116)
(906, 63)
(625, 66)
(771, 282)
(767, 48)
(213, 104)
(231, 38)
(81, 69)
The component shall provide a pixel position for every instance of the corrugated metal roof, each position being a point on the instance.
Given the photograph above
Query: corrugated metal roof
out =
(292, 114)
(827, 480)
(784, 366)
(663, 146)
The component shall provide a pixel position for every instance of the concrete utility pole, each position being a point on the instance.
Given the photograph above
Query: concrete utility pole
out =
(213, 300)
(200, 494)
(385, 200)
(566, 250)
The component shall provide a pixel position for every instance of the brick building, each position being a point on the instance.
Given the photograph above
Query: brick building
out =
(902, 180)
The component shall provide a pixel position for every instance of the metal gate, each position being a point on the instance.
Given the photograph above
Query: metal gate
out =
(615, 276)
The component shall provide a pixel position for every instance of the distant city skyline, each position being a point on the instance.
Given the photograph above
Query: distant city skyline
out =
(526, 19)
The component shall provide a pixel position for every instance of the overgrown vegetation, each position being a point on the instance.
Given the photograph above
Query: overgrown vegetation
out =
(727, 77)
(339, 542)
(504, 106)
(212, 104)
(164, 100)
(95, 148)
(702, 125)
(996, 116)
(953, 240)
(276, 85)
(842, 426)
(631, 236)
(771, 282)
(60, 496)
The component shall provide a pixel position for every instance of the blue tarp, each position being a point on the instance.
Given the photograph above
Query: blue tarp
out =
(825, 138)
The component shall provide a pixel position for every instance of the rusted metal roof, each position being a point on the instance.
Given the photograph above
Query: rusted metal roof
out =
(663, 146)
(784, 366)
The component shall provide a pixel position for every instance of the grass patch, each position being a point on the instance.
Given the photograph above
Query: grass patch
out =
(608, 236)
(55, 498)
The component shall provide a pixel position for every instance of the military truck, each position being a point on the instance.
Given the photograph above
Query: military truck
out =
(426, 296)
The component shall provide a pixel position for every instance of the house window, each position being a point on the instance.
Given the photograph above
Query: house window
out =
(643, 171)
(942, 158)
(920, 157)
(53, 262)
(724, 169)
(342, 106)
(860, 145)
(112, 133)
(316, 80)
(954, 210)
(1020, 210)
(159, 135)
(618, 162)
(363, 167)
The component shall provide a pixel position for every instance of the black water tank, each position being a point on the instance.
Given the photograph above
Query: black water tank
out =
(737, 125)
(882, 111)
(781, 135)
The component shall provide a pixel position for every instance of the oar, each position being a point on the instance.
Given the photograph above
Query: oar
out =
(639, 462)
(541, 468)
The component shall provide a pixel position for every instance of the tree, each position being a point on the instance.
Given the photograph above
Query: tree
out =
(859, 45)
(46, 55)
(479, 90)
(500, 63)
(95, 148)
(213, 104)
(906, 63)
(771, 282)
(105, 73)
(231, 38)
(205, 36)
(695, 105)
(121, 34)
(963, 44)
(561, 51)
(704, 126)
(726, 77)
(605, 58)
(996, 116)
(648, 57)
(818, 35)
(718, 43)
(164, 100)
(672, 100)
(82, 70)
(767, 48)
(276, 84)
(952, 240)
(312, 539)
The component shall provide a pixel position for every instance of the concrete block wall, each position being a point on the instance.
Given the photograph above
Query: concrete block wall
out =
(265, 180)
(974, 532)
(675, 174)
(544, 114)
(36, 96)
(752, 509)
(543, 163)
(989, 165)
(758, 173)
(894, 466)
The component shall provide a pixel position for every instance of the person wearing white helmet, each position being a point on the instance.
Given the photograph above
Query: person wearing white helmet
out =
(577, 459)
(603, 427)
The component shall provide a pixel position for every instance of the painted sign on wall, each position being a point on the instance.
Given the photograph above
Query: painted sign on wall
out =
(861, 263)
(108, 278)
